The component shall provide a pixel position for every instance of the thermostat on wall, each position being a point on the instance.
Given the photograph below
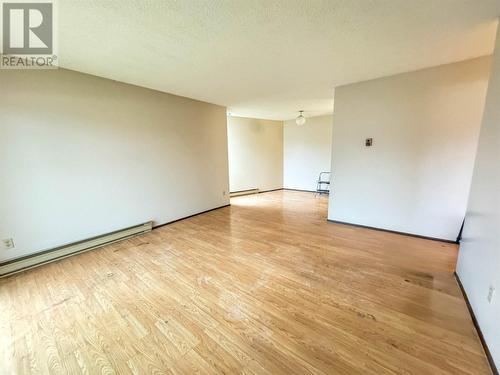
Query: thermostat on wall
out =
(369, 142)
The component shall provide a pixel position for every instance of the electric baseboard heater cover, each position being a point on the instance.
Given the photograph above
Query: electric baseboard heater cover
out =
(243, 192)
(34, 260)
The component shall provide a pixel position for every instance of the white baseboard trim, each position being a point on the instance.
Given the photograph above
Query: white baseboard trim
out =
(30, 261)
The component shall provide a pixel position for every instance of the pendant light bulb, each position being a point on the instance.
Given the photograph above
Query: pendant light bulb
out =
(300, 120)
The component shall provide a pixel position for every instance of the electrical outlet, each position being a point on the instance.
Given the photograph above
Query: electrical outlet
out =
(8, 243)
(491, 293)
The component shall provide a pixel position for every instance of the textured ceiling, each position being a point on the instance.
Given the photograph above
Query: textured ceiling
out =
(268, 58)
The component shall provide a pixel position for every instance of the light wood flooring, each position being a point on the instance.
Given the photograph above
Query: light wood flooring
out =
(266, 286)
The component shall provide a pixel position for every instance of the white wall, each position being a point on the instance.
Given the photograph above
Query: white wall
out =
(306, 152)
(479, 257)
(81, 156)
(255, 154)
(425, 126)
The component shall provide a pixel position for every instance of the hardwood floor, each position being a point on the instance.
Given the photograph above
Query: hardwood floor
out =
(266, 286)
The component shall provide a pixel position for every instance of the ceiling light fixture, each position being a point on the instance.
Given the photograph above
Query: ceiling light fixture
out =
(300, 120)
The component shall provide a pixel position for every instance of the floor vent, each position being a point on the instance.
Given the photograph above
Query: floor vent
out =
(243, 192)
(20, 264)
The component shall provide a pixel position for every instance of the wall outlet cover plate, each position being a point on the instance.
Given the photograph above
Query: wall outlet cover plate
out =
(8, 243)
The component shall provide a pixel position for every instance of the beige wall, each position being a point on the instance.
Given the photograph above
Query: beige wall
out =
(479, 257)
(255, 154)
(81, 156)
(425, 127)
(306, 152)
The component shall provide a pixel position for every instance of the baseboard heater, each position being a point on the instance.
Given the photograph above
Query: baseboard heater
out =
(23, 263)
(243, 192)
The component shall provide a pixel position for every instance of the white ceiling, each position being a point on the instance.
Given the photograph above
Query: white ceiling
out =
(268, 58)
